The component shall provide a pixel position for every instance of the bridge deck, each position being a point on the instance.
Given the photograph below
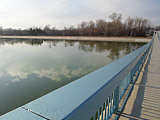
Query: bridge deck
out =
(146, 105)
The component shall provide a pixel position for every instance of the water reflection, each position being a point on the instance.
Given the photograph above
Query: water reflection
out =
(114, 47)
(32, 68)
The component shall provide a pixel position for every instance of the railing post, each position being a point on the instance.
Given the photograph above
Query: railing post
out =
(108, 113)
(105, 116)
(116, 98)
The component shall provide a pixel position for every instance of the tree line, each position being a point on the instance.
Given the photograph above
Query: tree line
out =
(136, 26)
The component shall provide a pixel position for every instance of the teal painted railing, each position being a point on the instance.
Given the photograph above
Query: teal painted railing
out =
(95, 96)
(158, 34)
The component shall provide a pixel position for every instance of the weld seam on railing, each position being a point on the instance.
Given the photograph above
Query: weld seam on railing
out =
(29, 110)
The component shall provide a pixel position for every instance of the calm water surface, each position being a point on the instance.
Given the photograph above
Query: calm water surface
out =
(32, 68)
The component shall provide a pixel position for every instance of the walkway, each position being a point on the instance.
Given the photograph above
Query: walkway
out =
(147, 101)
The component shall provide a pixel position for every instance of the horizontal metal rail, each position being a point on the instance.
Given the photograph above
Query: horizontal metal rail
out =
(95, 96)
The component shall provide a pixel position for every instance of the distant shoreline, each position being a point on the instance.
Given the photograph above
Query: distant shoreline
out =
(83, 38)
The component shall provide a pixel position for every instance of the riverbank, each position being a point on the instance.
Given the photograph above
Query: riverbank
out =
(82, 38)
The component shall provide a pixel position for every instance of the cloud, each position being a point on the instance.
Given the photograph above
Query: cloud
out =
(48, 73)
(60, 13)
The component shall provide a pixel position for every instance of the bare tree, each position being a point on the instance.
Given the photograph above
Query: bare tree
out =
(101, 27)
(116, 24)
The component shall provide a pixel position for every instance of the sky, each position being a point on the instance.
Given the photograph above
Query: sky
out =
(59, 13)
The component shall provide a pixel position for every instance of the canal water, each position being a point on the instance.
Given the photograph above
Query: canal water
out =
(32, 68)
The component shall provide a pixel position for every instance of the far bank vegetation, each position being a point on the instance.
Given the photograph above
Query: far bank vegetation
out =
(115, 26)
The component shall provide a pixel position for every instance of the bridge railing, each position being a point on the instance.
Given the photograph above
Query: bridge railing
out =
(95, 96)
(158, 34)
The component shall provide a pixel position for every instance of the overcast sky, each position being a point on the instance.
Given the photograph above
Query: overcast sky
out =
(60, 13)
